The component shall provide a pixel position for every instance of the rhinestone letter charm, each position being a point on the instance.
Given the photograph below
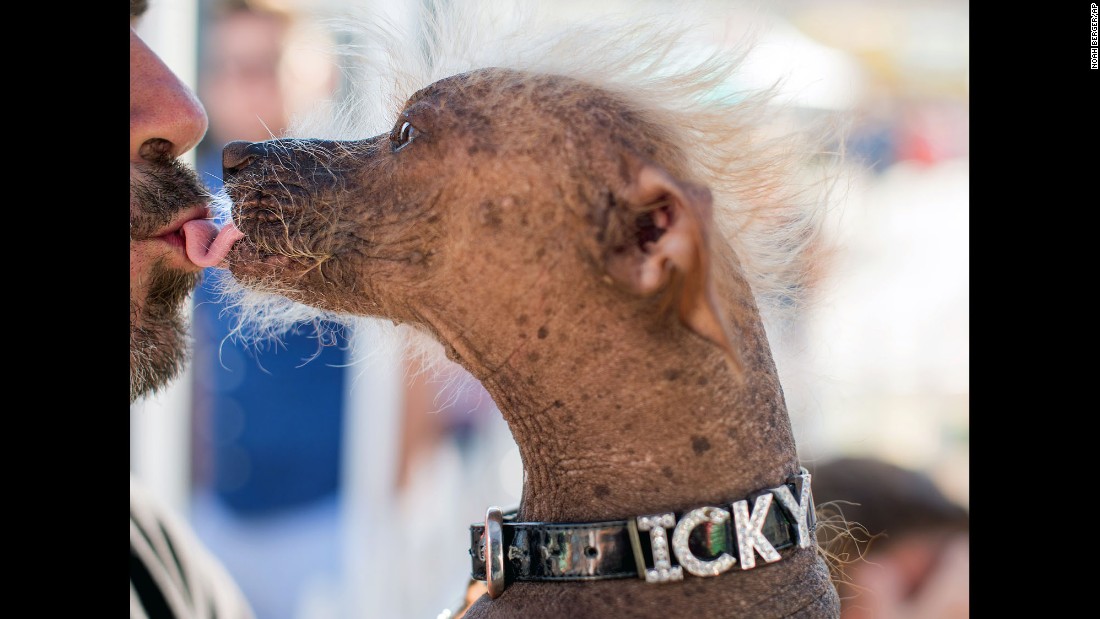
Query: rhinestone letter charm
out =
(662, 563)
(689, 561)
(798, 510)
(750, 531)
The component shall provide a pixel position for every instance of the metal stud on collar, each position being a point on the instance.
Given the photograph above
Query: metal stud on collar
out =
(493, 543)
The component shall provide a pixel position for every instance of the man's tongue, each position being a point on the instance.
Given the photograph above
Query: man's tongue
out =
(206, 245)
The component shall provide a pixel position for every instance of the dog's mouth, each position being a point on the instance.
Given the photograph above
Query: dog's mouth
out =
(273, 221)
(259, 219)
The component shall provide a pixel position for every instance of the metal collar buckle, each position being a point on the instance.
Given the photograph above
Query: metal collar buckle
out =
(493, 546)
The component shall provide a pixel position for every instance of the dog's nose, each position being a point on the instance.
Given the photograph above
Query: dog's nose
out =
(237, 155)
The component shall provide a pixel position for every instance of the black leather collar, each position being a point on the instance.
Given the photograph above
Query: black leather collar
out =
(704, 542)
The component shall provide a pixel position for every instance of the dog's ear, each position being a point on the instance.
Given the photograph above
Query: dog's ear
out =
(657, 242)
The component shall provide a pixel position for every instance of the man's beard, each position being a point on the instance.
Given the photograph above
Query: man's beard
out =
(158, 331)
(159, 192)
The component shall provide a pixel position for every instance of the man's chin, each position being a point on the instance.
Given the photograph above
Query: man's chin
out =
(159, 342)
(158, 353)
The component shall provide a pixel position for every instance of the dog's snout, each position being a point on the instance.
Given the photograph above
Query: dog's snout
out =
(237, 155)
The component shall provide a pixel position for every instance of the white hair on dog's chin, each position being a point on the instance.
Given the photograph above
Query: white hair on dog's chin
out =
(260, 315)
(261, 312)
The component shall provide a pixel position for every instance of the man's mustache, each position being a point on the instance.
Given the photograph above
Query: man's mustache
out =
(159, 192)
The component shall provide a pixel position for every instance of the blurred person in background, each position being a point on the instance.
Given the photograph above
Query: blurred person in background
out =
(267, 416)
(908, 554)
(171, 573)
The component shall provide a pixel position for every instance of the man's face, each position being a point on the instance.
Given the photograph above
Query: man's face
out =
(166, 120)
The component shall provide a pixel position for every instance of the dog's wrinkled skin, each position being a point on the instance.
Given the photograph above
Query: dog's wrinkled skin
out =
(547, 235)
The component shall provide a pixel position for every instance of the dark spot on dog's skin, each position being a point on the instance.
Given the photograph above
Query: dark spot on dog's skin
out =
(601, 491)
(671, 375)
(558, 404)
(618, 407)
(540, 253)
(628, 426)
(533, 356)
(488, 148)
(702, 381)
(732, 433)
(700, 445)
(522, 336)
(543, 332)
(666, 471)
(585, 397)
(522, 320)
(531, 380)
(630, 451)
(490, 214)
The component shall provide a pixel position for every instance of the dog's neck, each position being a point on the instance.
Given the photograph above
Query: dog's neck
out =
(613, 425)
(613, 422)
(666, 430)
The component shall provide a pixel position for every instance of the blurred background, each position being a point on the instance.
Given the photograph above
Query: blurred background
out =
(324, 479)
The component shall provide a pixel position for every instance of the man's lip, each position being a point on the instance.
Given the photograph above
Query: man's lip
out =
(167, 233)
(172, 234)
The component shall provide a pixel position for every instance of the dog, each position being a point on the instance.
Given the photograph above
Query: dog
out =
(591, 236)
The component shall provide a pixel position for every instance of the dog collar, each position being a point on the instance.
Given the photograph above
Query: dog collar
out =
(706, 541)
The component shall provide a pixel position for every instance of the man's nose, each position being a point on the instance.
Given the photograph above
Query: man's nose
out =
(164, 113)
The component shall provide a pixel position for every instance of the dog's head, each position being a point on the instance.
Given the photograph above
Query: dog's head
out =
(497, 193)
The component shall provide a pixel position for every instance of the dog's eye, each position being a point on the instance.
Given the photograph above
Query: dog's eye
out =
(404, 135)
